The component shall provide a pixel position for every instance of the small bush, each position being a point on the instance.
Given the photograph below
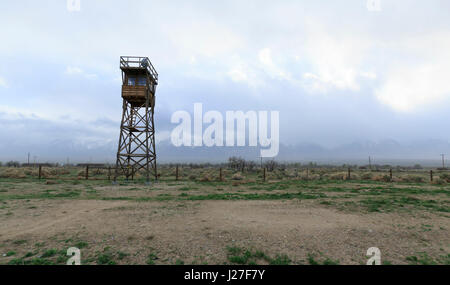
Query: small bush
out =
(445, 176)
(366, 176)
(439, 181)
(413, 179)
(205, 178)
(336, 176)
(13, 173)
(309, 177)
(382, 178)
(237, 177)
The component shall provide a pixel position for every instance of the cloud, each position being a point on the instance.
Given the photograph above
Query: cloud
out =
(407, 89)
(247, 72)
(201, 38)
(238, 74)
(3, 82)
(257, 72)
(422, 82)
(73, 70)
(335, 58)
(265, 57)
(272, 70)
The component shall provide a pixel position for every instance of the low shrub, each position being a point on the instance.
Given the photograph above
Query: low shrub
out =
(237, 177)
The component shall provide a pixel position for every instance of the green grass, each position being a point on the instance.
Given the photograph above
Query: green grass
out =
(241, 256)
(422, 258)
(256, 196)
(45, 195)
(121, 255)
(81, 244)
(39, 261)
(49, 253)
(388, 204)
(105, 259)
(29, 254)
(221, 196)
(234, 250)
(238, 259)
(34, 261)
(19, 242)
(327, 261)
(280, 260)
(17, 261)
(151, 259)
(311, 260)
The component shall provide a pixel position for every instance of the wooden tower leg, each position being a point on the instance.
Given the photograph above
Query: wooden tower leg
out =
(136, 144)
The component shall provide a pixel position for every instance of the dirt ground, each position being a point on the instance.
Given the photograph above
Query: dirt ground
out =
(118, 226)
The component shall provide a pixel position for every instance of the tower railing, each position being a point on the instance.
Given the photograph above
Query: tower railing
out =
(139, 62)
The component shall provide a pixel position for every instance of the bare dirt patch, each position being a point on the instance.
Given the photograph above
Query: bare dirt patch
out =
(199, 232)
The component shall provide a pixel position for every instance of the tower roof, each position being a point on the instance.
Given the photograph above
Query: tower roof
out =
(138, 64)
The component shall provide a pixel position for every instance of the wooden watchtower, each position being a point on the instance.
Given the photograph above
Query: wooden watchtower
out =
(136, 150)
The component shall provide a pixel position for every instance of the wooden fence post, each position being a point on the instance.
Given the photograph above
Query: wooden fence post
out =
(40, 171)
(390, 174)
(87, 172)
(307, 173)
(109, 173)
(431, 175)
(220, 175)
(264, 175)
(349, 176)
(176, 174)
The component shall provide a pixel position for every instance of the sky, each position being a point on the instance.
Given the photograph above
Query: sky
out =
(337, 72)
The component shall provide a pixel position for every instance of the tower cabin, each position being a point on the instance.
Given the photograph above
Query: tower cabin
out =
(139, 79)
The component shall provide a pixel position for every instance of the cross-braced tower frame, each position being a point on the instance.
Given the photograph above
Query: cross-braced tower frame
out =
(136, 151)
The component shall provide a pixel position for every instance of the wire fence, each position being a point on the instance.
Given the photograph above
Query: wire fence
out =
(224, 173)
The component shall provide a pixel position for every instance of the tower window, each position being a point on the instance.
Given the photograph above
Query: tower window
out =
(131, 80)
(141, 81)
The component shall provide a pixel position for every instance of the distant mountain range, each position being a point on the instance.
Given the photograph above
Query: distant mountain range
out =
(383, 152)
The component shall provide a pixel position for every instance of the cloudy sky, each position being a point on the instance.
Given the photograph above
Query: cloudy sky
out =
(337, 72)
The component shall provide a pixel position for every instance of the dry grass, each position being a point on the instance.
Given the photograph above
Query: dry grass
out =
(12, 173)
(439, 181)
(206, 178)
(237, 176)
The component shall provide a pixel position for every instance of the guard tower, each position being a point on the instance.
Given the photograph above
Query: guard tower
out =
(136, 150)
